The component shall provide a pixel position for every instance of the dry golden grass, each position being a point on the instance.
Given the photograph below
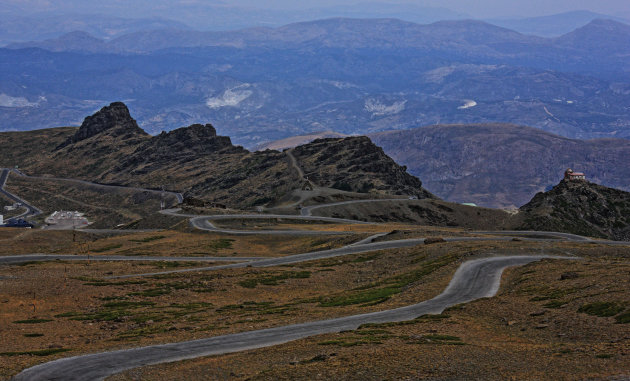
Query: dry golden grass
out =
(511, 336)
(89, 313)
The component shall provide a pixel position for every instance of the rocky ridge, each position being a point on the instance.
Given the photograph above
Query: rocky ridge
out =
(113, 120)
(356, 164)
(580, 207)
(110, 148)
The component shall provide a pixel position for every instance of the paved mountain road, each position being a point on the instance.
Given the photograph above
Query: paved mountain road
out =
(308, 210)
(178, 196)
(317, 255)
(19, 259)
(30, 210)
(473, 280)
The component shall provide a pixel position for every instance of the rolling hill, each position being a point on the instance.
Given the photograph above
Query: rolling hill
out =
(501, 165)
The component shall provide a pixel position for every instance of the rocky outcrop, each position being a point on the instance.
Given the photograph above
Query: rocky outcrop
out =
(186, 142)
(356, 164)
(113, 120)
(580, 207)
(110, 148)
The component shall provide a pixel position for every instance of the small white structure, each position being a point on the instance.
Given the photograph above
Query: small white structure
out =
(1, 219)
(570, 175)
(66, 220)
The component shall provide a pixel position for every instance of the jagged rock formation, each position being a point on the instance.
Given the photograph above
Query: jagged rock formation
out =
(179, 144)
(113, 120)
(580, 207)
(356, 164)
(109, 147)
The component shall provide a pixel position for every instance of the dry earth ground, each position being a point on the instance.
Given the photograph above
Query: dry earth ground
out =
(532, 327)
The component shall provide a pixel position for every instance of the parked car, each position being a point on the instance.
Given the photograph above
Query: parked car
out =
(18, 223)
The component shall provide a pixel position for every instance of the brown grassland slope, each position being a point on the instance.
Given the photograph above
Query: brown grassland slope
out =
(555, 318)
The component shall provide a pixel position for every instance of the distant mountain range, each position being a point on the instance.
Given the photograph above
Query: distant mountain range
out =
(20, 28)
(553, 25)
(501, 165)
(21, 22)
(494, 165)
(347, 75)
(476, 38)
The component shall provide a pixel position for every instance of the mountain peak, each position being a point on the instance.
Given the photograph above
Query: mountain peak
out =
(114, 120)
(580, 207)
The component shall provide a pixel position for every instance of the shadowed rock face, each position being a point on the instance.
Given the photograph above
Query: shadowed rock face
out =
(113, 119)
(580, 207)
(358, 165)
(110, 148)
(180, 144)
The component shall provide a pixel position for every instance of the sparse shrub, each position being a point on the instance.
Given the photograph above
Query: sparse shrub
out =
(623, 318)
(602, 309)
(32, 321)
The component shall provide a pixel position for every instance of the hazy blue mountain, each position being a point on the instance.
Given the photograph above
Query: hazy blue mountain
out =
(600, 48)
(351, 76)
(205, 15)
(501, 165)
(602, 37)
(553, 25)
(20, 28)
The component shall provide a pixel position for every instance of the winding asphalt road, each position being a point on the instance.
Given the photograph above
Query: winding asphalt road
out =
(474, 279)
(308, 210)
(203, 223)
(30, 209)
(19, 259)
(316, 255)
(178, 196)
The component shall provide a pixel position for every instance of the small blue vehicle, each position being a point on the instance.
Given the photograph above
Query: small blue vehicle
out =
(18, 223)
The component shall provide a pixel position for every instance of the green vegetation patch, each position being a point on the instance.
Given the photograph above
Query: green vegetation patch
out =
(149, 239)
(32, 321)
(153, 292)
(381, 291)
(107, 248)
(262, 308)
(274, 280)
(550, 294)
(172, 264)
(42, 352)
(101, 282)
(436, 339)
(142, 332)
(220, 244)
(421, 319)
(555, 304)
(602, 309)
(623, 318)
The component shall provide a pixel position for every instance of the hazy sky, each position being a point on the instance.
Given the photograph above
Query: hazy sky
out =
(475, 8)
